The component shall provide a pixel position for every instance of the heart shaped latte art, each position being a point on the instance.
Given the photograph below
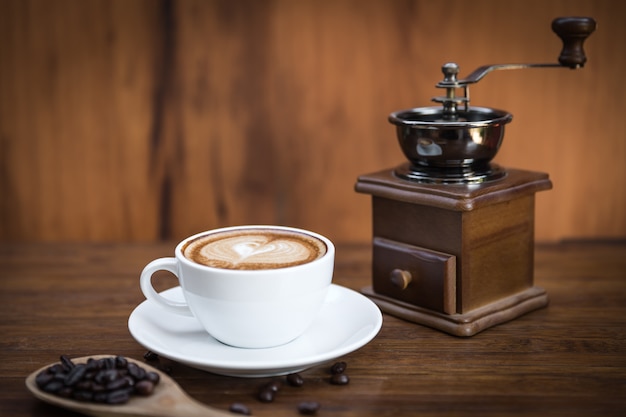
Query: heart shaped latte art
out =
(260, 250)
(247, 249)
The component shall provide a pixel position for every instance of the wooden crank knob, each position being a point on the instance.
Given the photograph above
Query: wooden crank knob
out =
(573, 31)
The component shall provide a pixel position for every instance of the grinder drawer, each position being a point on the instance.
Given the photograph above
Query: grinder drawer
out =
(415, 275)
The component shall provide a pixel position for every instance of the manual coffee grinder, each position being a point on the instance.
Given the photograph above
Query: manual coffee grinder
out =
(453, 233)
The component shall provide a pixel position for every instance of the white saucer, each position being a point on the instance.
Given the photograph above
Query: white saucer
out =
(347, 321)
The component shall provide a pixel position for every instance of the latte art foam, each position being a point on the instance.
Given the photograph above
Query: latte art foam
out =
(252, 249)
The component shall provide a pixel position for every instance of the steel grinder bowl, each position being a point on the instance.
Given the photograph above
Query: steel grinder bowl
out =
(454, 143)
(470, 139)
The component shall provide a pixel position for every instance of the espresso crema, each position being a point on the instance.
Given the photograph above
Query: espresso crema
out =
(253, 249)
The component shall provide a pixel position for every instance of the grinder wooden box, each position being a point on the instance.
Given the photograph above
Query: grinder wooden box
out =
(455, 257)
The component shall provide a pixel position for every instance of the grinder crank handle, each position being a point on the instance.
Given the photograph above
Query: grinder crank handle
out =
(573, 31)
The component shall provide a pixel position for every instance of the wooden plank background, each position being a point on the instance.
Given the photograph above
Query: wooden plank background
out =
(144, 120)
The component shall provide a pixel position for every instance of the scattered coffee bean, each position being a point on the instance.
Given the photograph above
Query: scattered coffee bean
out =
(308, 407)
(239, 408)
(266, 395)
(151, 356)
(273, 385)
(268, 391)
(338, 368)
(295, 380)
(339, 379)
(109, 380)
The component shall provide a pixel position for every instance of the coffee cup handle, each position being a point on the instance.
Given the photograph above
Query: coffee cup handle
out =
(162, 264)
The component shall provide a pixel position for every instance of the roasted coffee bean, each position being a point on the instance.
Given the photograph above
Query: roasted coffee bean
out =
(118, 383)
(118, 397)
(43, 378)
(75, 375)
(144, 387)
(273, 385)
(60, 376)
(65, 392)
(100, 376)
(97, 387)
(239, 408)
(121, 362)
(308, 407)
(100, 397)
(109, 363)
(92, 364)
(153, 377)
(338, 368)
(106, 376)
(53, 386)
(66, 362)
(111, 375)
(151, 356)
(339, 379)
(82, 395)
(56, 369)
(295, 380)
(266, 395)
(137, 372)
(84, 384)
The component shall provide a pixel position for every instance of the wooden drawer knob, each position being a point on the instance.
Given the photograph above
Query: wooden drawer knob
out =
(400, 278)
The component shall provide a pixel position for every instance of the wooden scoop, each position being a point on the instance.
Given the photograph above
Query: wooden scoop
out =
(168, 399)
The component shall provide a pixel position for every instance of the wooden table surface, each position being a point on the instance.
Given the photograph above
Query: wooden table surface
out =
(568, 359)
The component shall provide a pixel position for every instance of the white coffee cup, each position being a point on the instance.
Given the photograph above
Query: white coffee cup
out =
(266, 306)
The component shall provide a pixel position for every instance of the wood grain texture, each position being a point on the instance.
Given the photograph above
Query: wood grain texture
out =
(565, 360)
(141, 120)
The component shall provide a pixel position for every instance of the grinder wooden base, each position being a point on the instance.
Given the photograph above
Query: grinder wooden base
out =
(467, 324)
(458, 258)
